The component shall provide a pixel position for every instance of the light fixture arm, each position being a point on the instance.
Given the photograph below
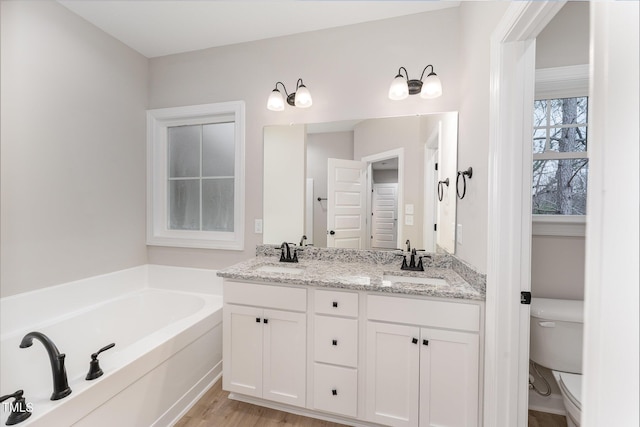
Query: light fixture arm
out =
(425, 69)
(283, 87)
(406, 74)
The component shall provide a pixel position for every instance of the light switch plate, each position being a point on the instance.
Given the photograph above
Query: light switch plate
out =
(257, 226)
(408, 209)
(408, 220)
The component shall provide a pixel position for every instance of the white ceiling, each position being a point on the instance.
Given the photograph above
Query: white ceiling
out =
(164, 27)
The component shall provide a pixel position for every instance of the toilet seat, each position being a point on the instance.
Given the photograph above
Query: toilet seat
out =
(572, 385)
(571, 390)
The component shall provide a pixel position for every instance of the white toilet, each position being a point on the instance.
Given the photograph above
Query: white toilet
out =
(556, 343)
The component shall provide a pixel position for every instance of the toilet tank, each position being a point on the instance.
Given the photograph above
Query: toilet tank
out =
(556, 334)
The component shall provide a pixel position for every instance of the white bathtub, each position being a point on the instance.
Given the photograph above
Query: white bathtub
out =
(166, 323)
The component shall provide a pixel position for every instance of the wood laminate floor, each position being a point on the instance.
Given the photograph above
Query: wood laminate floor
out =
(215, 409)
(544, 419)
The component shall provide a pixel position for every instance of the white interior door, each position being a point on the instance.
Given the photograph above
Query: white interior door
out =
(384, 218)
(346, 204)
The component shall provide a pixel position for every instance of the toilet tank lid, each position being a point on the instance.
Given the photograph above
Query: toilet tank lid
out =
(558, 309)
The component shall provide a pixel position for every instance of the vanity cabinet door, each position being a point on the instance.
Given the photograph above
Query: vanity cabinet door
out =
(284, 357)
(392, 374)
(265, 353)
(448, 378)
(242, 348)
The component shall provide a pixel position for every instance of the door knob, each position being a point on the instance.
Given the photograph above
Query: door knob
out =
(332, 232)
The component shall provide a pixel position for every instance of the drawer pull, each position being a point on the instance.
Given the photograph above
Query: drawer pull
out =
(334, 392)
(425, 342)
(266, 320)
(414, 340)
(257, 320)
(335, 304)
(334, 342)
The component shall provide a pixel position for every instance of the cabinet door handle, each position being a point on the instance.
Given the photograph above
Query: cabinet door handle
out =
(425, 342)
(334, 342)
(335, 304)
(334, 392)
(414, 340)
(257, 320)
(266, 320)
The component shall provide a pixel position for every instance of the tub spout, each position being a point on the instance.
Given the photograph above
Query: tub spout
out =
(60, 385)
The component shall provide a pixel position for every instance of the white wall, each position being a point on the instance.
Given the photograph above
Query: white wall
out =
(320, 147)
(348, 71)
(477, 21)
(73, 149)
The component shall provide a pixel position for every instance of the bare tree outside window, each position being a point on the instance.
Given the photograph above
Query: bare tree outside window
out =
(560, 165)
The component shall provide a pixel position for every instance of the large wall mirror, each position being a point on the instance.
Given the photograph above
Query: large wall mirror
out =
(367, 184)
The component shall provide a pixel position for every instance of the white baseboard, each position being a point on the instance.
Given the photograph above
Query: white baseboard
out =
(552, 404)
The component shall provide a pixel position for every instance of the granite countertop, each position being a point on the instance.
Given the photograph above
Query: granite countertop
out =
(345, 272)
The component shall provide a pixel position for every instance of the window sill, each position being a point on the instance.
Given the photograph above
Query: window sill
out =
(557, 225)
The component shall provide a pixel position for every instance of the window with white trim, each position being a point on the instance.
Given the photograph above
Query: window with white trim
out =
(560, 151)
(195, 158)
(560, 157)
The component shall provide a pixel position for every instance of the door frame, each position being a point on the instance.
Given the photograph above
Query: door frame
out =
(385, 155)
(512, 80)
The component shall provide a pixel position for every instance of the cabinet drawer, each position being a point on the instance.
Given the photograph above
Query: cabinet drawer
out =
(336, 303)
(335, 389)
(438, 314)
(336, 340)
(279, 297)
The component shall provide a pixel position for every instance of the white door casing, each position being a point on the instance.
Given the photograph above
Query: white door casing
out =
(346, 204)
(512, 79)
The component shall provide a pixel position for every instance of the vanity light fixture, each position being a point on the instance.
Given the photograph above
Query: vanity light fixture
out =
(402, 86)
(301, 98)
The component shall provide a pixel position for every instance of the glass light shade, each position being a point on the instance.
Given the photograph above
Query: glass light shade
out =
(303, 97)
(399, 88)
(275, 101)
(431, 88)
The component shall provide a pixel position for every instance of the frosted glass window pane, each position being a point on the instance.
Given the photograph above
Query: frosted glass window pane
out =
(184, 151)
(217, 204)
(218, 149)
(184, 204)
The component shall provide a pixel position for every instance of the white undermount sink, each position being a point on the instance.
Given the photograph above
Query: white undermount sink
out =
(389, 279)
(279, 269)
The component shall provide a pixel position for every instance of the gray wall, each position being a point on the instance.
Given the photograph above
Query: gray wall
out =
(557, 263)
(73, 149)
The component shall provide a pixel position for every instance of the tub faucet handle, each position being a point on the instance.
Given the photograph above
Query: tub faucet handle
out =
(19, 410)
(94, 366)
